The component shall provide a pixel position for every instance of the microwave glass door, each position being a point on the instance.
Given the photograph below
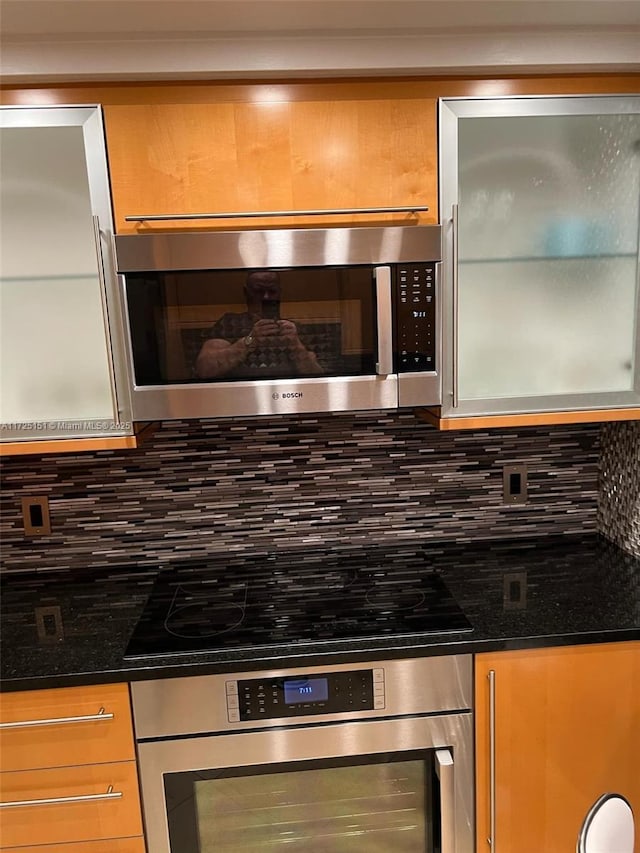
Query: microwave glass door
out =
(228, 325)
(358, 805)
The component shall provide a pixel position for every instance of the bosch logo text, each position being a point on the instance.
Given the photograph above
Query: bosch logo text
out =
(288, 395)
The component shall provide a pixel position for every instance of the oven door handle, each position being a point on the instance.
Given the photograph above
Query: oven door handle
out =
(444, 769)
(384, 363)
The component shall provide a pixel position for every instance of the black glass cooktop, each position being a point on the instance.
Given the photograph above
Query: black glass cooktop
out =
(290, 598)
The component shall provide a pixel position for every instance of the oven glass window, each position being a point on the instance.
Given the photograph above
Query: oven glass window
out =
(225, 325)
(379, 806)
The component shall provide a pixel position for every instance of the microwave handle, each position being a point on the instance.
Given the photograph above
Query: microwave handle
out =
(444, 769)
(384, 363)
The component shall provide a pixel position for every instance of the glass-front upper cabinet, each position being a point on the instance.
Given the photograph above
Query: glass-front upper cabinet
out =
(58, 287)
(540, 203)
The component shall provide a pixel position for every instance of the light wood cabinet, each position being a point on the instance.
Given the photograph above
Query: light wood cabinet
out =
(567, 729)
(113, 845)
(68, 771)
(70, 804)
(67, 726)
(272, 155)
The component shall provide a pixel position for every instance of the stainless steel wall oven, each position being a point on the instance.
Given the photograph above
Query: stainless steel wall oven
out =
(356, 758)
(260, 322)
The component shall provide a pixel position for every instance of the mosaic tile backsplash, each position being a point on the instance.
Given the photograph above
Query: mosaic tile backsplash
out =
(199, 488)
(619, 493)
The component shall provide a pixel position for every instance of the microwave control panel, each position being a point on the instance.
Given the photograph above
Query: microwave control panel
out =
(303, 695)
(415, 306)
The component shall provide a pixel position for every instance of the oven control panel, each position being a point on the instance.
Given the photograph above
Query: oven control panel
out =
(416, 318)
(285, 696)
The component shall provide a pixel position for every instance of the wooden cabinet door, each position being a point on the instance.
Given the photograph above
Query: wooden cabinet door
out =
(168, 158)
(66, 726)
(70, 804)
(567, 729)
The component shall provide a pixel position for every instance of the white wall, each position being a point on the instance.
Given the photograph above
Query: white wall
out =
(49, 40)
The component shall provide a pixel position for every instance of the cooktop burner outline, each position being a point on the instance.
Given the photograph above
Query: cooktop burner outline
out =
(197, 601)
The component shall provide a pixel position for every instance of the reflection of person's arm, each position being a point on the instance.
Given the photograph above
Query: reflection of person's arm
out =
(306, 361)
(218, 357)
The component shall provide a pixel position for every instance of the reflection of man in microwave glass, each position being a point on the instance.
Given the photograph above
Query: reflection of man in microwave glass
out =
(256, 342)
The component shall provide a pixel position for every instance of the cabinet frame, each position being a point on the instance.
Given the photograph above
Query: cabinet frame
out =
(450, 111)
(90, 119)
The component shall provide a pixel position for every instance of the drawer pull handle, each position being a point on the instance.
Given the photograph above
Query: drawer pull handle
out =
(58, 721)
(55, 801)
(492, 760)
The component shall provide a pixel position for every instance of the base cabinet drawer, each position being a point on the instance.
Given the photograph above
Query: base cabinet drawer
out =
(112, 845)
(66, 726)
(69, 804)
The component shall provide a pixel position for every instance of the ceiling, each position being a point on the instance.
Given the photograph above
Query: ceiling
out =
(161, 39)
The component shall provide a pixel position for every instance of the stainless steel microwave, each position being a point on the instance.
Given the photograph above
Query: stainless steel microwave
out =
(222, 324)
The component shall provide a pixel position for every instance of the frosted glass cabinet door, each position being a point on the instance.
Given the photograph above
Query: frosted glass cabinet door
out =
(56, 368)
(541, 207)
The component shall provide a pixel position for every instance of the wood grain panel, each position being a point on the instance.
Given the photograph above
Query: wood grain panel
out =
(315, 155)
(263, 156)
(432, 416)
(160, 156)
(327, 164)
(57, 745)
(113, 845)
(70, 822)
(567, 730)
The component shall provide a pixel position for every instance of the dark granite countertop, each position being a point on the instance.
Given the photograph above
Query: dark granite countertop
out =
(59, 629)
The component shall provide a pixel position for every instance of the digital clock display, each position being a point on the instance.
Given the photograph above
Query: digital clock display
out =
(298, 690)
